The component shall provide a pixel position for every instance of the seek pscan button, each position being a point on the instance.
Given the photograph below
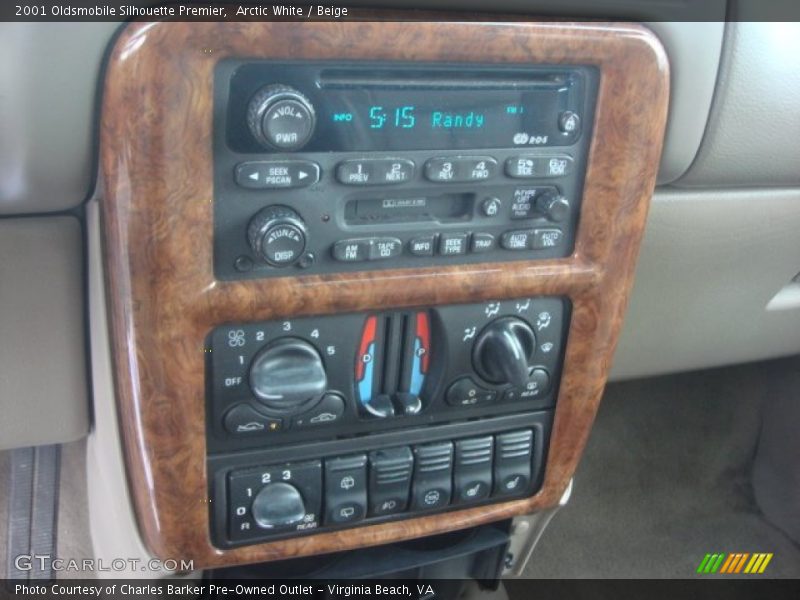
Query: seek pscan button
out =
(276, 174)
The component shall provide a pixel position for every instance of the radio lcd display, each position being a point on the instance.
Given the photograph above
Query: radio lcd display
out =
(387, 109)
(377, 119)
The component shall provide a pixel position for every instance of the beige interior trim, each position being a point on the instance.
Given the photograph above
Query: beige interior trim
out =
(112, 521)
(43, 391)
(709, 265)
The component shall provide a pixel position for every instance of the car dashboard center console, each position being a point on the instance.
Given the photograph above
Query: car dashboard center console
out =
(366, 278)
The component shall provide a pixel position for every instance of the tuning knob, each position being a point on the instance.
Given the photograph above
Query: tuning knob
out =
(278, 505)
(553, 206)
(503, 350)
(278, 235)
(281, 118)
(288, 374)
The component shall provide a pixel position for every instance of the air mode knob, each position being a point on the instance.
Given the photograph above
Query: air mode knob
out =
(503, 351)
(281, 118)
(278, 235)
(287, 375)
(278, 505)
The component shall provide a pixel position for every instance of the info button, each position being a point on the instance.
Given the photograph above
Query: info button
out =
(421, 246)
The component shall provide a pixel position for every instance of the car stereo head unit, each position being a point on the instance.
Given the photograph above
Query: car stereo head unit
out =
(331, 167)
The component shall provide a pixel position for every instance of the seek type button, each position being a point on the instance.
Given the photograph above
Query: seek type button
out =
(452, 244)
(276, 174)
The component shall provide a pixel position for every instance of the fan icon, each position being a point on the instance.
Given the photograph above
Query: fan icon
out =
(236, 338)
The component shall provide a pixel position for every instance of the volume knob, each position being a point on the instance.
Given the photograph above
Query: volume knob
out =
(281, 118)
(278, 235)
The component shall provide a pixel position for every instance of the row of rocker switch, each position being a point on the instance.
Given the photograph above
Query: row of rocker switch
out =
(427, 477)
(349, 489)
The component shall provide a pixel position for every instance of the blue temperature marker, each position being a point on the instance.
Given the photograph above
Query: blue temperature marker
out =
(417, 376)
(365, 385)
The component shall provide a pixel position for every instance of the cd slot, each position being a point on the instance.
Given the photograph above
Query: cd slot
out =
(437, 79)
(444, 208)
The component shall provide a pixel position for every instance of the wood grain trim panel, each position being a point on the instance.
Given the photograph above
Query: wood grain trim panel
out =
(156, 173)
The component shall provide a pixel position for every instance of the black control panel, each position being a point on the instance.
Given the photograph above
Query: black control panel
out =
(322, 167)
(418, 409)
(377, 484)
(312, 377)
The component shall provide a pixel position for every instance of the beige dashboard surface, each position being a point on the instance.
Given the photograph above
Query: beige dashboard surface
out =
(43, 390)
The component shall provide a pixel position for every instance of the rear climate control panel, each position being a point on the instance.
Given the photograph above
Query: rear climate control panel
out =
(380, 484)
(420, 409)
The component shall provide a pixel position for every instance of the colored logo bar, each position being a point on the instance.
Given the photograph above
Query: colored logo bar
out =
(734, 563)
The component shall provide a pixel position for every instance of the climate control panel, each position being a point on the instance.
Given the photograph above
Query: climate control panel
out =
(311, 377)
(342, 420)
